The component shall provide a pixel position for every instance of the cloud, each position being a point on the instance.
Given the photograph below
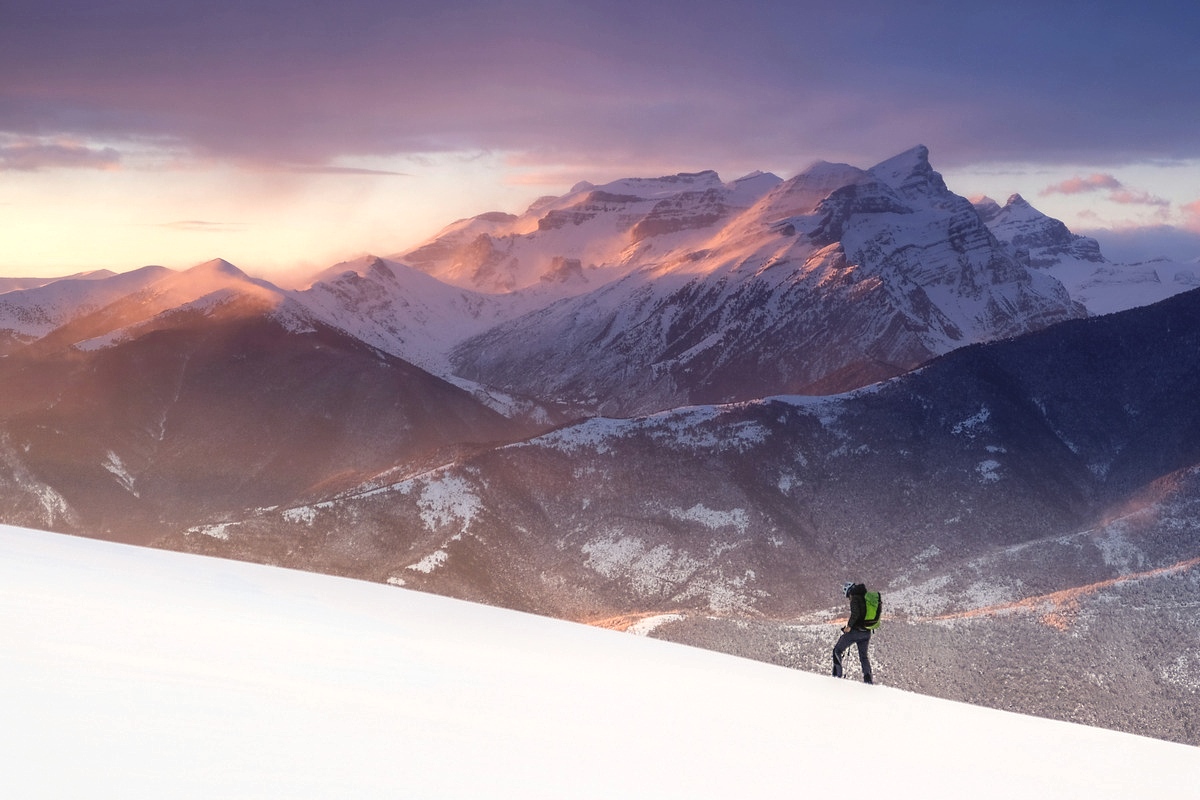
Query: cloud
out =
(1117, 191)
(36, 156)
(1078, 185)
(1137, 198)
(1146, 242)
(1191, 216)
(317, 169)
(678, 83)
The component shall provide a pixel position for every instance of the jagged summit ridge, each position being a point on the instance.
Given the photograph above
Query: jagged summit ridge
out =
(910, 173)
(593, 233)
(1035, 239)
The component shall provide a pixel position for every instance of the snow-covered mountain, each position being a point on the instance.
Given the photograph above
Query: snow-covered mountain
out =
(1036, 239)
(134, 673)
(207, 391)
(810, 290)
(589, 236)
(644, 294)
(10, 284)
(29, 310)
(160, 297)
(1103, 287)
(404, 311)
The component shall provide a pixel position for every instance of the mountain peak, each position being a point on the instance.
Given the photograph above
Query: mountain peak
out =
(378, 267)
(217, 266)
(988, 208)
(893, 171)
(1016, 201)
(910, 174)
(1018, 208)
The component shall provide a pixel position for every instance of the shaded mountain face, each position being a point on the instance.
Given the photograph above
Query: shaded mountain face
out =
(229, 403)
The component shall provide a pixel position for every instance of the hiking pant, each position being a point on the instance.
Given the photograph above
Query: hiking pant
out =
(860, 638)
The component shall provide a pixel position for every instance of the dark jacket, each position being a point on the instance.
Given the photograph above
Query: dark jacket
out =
(858, 607)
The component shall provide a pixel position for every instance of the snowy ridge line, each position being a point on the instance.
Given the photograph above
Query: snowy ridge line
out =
(569, 436)
(360, 494)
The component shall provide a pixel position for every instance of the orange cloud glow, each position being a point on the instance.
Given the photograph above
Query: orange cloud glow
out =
(1101, 182)
(1080, 185)
(1191, 216)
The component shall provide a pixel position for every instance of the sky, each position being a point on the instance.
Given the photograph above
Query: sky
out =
(285, 135)
(132, 672)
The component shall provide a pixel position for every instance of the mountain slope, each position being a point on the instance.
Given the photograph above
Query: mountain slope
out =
(149, 668)
(1046, 245)
(752, 506)
(234, 400)
(593, 234)
(405, 312)
(874, 278)
(30, 310)
(171, 294)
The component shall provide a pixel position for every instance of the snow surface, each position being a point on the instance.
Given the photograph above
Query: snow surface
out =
(137, 673)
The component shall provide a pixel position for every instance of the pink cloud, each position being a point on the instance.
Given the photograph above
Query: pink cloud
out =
(1191, 216)
(319, 169)
(1136, 197)
(1081, 185)
(1100, 182)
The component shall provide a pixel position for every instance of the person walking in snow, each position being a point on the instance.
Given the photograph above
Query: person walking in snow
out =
(854, 632)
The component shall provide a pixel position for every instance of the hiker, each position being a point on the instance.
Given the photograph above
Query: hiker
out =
(855, 631)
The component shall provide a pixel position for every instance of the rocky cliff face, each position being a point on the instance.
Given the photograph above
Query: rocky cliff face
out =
(1035, 239)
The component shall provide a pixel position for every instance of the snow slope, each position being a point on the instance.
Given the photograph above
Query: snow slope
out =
(31, 312)
(140, 673)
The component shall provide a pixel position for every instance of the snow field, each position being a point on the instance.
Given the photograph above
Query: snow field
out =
(137, 673)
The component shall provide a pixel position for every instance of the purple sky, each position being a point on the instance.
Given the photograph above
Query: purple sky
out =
(388, 93)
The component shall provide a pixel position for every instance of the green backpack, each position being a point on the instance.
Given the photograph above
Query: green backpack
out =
(874, 611)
